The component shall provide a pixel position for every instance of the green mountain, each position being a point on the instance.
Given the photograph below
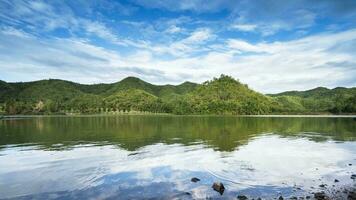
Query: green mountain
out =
(223, 95)
(320, 92)
(320, 99)
(65, 96)
(157, 90)
(226, 95)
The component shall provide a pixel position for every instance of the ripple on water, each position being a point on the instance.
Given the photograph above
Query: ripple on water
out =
(130, 162)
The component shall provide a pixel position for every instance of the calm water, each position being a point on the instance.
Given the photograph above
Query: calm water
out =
(133, 157)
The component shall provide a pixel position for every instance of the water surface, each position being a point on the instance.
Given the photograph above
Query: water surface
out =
(126, 157)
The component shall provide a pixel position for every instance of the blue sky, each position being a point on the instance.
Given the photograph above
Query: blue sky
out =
(271, 45)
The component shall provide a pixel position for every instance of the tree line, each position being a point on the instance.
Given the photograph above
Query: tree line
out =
(223, 95)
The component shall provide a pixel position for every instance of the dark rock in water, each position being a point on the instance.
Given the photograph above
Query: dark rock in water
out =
(219, 187)
(308, 197)
(322, 185)
(280, 198)
(242, 197)
(194, 179)
(293, 198)
(259, 198)
(353, 176)
(320, 196)
(351, 196)
(336, 181)
(350, 164)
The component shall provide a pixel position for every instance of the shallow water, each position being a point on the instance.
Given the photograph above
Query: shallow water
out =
(133, 157)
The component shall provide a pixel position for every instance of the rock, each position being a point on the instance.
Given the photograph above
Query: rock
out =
(353, 176)
(280, 198)
(350, 164)
(242, 197)
(194, 179)
(308, 197)
(219, 187)
(351, 196)
(293, 198)
(336, 181)
(322, 185)
(320, 196)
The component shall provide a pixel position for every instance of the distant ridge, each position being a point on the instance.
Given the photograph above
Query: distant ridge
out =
(223, 95)
(317, 92)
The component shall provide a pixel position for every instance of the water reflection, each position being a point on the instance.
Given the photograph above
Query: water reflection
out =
(155, 157)
(132, 132)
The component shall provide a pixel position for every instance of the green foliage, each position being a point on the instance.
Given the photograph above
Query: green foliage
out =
(134, 100)
(226, 95)
(223, 95)
(337, 100)
(289, 104)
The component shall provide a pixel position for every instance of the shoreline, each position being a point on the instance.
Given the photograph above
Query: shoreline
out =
(174, 115)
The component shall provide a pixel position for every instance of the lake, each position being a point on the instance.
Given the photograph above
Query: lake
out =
(148, 156)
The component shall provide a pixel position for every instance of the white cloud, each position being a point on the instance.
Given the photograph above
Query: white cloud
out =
(197, 6)
(181, 47)
(174, 29)
(265, 66)
(14, 32)
(243, 46)
(244, 27)
(198, 36)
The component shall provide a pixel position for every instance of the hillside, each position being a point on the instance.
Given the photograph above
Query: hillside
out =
(157, 90)
(319, 92)
(65, 96)
(223, 95)
(320, 99)
(226, 95)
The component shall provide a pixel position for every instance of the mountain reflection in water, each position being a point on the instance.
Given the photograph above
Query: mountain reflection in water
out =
(125, 157)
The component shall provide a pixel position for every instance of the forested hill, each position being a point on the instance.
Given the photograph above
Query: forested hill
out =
(223, 95)
(320, 99)
(320, 92)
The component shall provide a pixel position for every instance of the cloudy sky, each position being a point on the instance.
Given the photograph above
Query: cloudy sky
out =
(271, 45)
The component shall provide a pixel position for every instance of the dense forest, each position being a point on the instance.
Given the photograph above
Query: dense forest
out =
(223, 95)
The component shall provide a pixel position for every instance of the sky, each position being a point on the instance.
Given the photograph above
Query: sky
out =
(271, 45)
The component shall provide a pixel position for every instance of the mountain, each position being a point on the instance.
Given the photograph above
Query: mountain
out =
(319, 92)
(6, 91)
(157, 90)
(320, 99)
(223, 95)
(65, 96)
(226, 95)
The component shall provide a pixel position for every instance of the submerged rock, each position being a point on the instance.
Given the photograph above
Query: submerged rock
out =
(353, 176)
(320, 196)
(351, 196)
(242, 197)
(219, 187)
(280, 198)
(194, 179)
